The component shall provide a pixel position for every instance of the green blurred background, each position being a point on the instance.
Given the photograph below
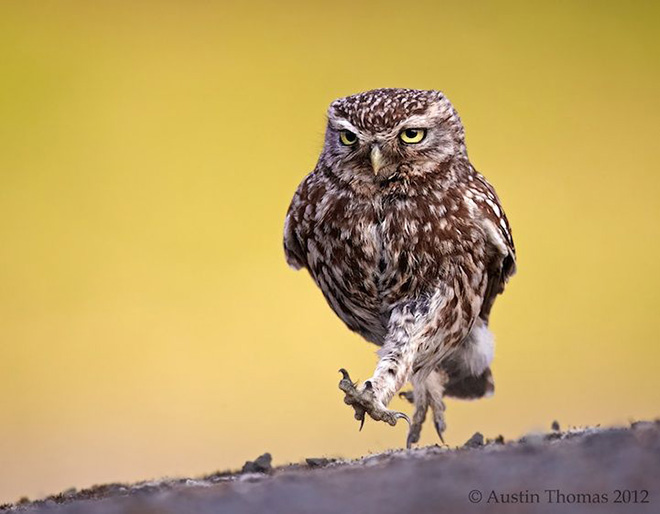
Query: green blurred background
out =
(148, 151)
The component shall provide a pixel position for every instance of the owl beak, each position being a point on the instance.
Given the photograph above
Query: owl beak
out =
(376, 159)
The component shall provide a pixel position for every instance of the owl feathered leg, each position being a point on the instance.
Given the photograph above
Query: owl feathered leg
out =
(393, 369)
(435, 387)
(464, 374)
(428, 393)
(420, 399)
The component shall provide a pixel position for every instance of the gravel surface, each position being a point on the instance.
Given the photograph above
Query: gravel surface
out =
(580, 470)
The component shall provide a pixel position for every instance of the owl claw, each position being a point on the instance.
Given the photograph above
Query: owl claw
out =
(440, 428)
(401, 415)
(344, 374)
(363, 401)
(413, 436)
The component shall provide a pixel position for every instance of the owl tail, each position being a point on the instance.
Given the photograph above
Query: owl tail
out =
(470, 387)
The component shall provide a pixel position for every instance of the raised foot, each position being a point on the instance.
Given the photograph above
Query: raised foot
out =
(363, 401)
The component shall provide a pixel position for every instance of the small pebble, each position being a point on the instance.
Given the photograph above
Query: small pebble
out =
(261, 465)
(475, 441)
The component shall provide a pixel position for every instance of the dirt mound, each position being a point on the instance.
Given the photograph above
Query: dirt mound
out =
(586, 470)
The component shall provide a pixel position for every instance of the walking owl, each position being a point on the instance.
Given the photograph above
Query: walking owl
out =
(410, 246)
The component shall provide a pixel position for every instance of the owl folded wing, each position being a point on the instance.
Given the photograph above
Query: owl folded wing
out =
(502, 262)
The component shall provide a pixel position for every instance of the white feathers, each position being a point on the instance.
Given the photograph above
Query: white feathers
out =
(495, 208)
(477, 350)
(495, 236)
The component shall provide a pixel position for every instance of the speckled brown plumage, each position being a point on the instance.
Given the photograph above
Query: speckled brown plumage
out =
(409, 245)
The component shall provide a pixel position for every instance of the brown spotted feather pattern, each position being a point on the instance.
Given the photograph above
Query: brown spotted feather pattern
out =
(409, 252)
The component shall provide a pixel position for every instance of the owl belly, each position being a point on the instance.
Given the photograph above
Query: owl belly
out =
(349, 278)
(364, 273)
(378, 255)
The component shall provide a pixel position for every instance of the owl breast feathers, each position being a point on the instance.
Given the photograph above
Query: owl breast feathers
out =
(409, 245)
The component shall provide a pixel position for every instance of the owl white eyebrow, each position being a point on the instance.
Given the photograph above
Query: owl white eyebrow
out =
(342, 124)
(414, 122)
(421, 120)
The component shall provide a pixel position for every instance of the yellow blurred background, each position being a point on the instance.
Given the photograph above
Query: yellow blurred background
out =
(149, 325)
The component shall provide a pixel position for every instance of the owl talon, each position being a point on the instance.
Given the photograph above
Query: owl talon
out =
(363, 401)
(401, 415)
(421, 407)
(440, 428)
(413, 435)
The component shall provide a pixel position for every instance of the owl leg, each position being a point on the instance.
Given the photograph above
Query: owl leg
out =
(393, 369)
(420, 398)
(435, 387)
(423, 399)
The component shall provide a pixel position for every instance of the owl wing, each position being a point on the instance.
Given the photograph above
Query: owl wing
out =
(501, 260)
(296, 257)
(299, 219)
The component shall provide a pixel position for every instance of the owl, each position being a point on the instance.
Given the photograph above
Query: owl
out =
(409, 245)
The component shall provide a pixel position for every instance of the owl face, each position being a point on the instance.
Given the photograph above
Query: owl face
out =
(384, 133)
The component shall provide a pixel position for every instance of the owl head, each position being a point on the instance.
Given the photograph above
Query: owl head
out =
(384, 133)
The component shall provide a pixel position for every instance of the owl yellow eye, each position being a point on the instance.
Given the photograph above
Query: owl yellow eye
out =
(412, 135)
(347, 138)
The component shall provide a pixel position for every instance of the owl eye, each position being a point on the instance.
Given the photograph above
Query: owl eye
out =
(347, 138)
(412, 135)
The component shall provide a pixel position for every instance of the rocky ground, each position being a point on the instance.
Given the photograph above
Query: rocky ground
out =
(591, 470)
